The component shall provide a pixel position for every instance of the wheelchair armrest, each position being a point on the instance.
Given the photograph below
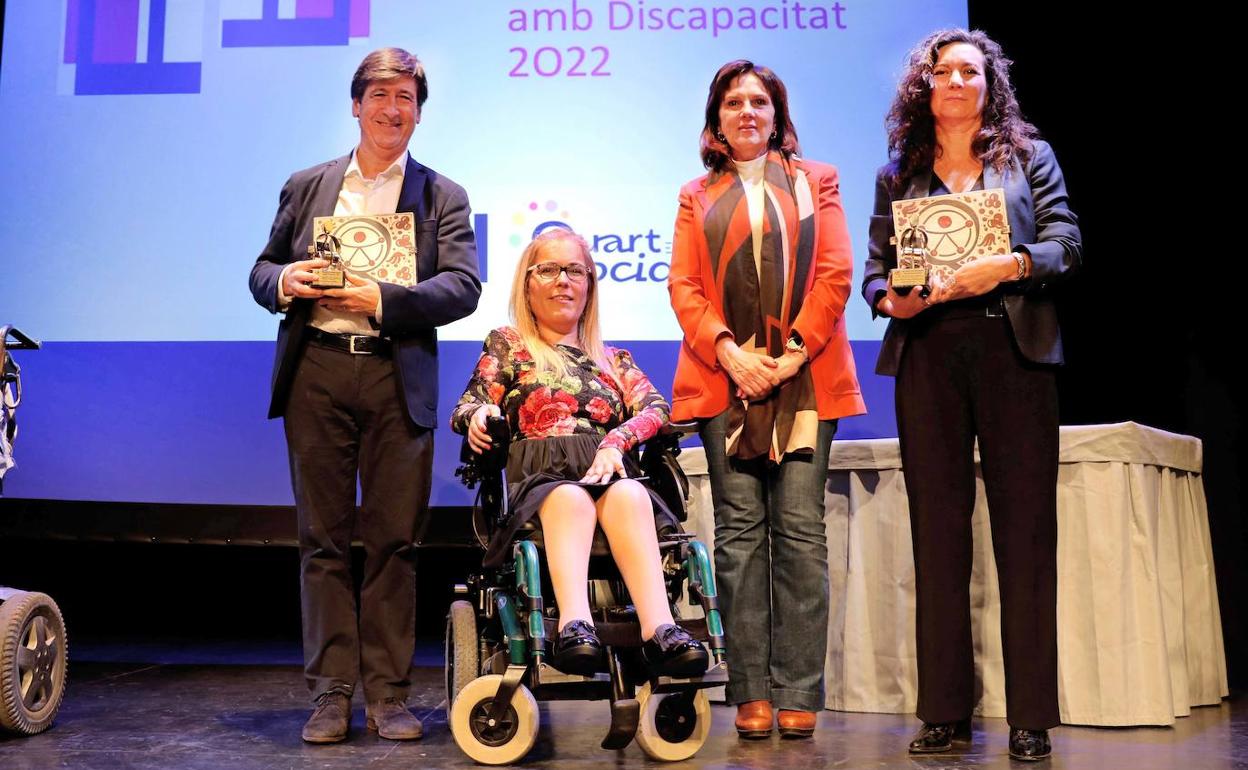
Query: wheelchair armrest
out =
(669, 437)
(658, 462)
(683, 430)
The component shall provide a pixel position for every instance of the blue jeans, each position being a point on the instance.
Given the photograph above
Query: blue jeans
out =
(771, 567)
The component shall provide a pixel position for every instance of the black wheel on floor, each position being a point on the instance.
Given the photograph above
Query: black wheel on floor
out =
(673, 726)
(33, 662)
(489, 741)
(462, 663)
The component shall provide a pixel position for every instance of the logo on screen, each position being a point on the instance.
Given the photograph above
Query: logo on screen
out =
(622, 255)
(116, 47)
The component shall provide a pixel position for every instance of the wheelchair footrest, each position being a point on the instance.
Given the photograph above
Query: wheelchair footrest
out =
(625, 716)
(627, 633)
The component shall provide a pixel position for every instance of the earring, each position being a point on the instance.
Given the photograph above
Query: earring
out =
(774, 132)
(719, 137)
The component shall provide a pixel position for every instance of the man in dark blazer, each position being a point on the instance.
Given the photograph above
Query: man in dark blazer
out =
(356, 380)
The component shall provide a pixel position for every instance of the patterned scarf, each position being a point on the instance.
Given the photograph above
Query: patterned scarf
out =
(761, 300)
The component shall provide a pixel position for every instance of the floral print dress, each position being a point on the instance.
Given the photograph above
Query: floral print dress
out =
(559, 421)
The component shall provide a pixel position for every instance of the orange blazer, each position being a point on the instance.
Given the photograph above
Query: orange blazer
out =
(702, 388)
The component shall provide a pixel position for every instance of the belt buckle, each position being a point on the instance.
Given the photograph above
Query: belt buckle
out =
(996, 309)
(351, 345)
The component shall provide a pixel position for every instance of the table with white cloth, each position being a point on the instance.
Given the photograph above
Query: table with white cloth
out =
(1139, 635)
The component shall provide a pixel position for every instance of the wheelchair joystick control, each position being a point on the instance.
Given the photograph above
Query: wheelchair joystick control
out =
(498, 431)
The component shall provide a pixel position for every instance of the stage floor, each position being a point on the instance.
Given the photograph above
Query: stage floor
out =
(242, 706)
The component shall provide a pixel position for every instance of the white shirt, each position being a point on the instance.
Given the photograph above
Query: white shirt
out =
(358, 196)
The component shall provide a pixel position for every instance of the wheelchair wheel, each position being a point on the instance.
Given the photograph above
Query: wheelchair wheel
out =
(32, 662)
(673, 725)
(462, 665)
(503, 742)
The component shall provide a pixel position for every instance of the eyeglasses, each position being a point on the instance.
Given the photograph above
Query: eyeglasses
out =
(549, 271)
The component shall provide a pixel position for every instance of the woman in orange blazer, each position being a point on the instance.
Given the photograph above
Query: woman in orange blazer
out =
(761, 270)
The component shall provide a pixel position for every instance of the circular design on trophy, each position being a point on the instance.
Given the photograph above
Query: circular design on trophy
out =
(365, 243)
(952, 228)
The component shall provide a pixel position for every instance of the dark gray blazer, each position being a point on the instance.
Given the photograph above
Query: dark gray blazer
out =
(1041, 223)
(446, 264)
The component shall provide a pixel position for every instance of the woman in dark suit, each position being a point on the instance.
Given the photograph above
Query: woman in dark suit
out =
(976, 359)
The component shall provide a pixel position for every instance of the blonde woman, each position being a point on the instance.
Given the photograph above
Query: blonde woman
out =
(575, 408)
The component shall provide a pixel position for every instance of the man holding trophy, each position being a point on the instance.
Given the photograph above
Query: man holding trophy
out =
(355, 381)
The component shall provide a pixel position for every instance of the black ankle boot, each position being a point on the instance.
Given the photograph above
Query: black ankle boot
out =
(937, 737)
(1029, 745)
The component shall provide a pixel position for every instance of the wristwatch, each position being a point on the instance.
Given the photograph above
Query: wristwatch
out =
(796, 345)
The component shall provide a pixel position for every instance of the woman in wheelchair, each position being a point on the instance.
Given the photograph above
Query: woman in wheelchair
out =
(575, 408)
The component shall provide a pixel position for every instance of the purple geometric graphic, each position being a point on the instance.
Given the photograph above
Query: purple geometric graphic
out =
(71, 32)
(118, 20)
(101, 41)
(359, 18)
(316, 22)
(481, 229)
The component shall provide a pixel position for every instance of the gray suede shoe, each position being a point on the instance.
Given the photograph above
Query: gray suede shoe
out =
(391, 719)
(330, 720)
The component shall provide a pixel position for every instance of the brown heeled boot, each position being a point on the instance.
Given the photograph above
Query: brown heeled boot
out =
(796, 724)
(754, 719)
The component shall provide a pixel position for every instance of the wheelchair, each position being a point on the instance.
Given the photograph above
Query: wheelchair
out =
(496, 655)
(33, 654)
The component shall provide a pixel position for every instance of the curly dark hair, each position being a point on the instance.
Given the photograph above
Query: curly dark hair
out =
(1004, 134)
(716, 154)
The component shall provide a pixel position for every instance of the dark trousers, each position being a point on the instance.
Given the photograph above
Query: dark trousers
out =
(963, 377)
(345, 417)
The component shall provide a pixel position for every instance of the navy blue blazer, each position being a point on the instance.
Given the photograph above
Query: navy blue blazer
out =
(1041, 223)
(446, 265)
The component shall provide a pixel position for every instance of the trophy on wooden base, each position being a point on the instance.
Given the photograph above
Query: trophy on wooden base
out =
(912, 258)
(379, 247)
(328, 247)
(938, 234)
